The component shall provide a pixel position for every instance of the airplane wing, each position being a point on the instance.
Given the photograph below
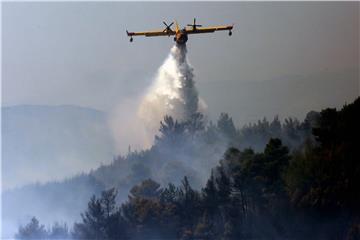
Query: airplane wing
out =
(191, 30)
(151, 33)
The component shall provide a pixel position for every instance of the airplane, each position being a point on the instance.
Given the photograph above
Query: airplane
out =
(181, 35)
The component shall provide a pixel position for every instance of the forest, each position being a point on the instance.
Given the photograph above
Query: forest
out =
(271, 180)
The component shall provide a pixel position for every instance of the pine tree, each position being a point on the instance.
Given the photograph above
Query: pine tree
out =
(33, 230)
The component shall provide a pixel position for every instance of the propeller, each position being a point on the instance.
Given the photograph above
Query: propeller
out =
(194, 25)
(168, 27)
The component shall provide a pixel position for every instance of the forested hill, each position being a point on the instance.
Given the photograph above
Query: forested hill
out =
(191, 149)
(43, 143)
(309, 192)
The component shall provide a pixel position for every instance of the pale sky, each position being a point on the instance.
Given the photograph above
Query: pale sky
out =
(283, 58)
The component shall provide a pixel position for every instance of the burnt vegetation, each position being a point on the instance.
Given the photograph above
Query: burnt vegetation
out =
(291, 180)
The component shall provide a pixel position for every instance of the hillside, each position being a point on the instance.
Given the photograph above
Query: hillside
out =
(189, 149)
(42, 143)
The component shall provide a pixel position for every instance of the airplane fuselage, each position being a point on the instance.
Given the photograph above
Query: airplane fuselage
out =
(181, 37)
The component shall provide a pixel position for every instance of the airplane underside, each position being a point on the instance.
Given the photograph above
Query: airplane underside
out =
(181, 38)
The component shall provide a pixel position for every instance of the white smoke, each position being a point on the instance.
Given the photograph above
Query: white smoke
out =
(172, 92)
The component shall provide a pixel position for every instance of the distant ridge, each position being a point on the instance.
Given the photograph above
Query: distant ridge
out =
(43, 142)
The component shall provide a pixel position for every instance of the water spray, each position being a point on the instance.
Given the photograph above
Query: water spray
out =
(173, 92)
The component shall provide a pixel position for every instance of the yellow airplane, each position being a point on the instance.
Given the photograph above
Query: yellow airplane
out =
(181, 35)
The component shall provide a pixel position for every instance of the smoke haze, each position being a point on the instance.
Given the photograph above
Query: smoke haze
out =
(264, 69)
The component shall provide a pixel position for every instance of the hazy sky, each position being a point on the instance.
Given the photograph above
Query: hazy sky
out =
(283, 58)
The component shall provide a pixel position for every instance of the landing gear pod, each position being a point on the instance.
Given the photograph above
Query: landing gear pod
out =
(131, 39)
(230, 33)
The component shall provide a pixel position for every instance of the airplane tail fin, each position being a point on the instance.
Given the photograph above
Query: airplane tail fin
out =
(177, 28)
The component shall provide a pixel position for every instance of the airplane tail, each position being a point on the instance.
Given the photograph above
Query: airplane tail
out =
(177, 28)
